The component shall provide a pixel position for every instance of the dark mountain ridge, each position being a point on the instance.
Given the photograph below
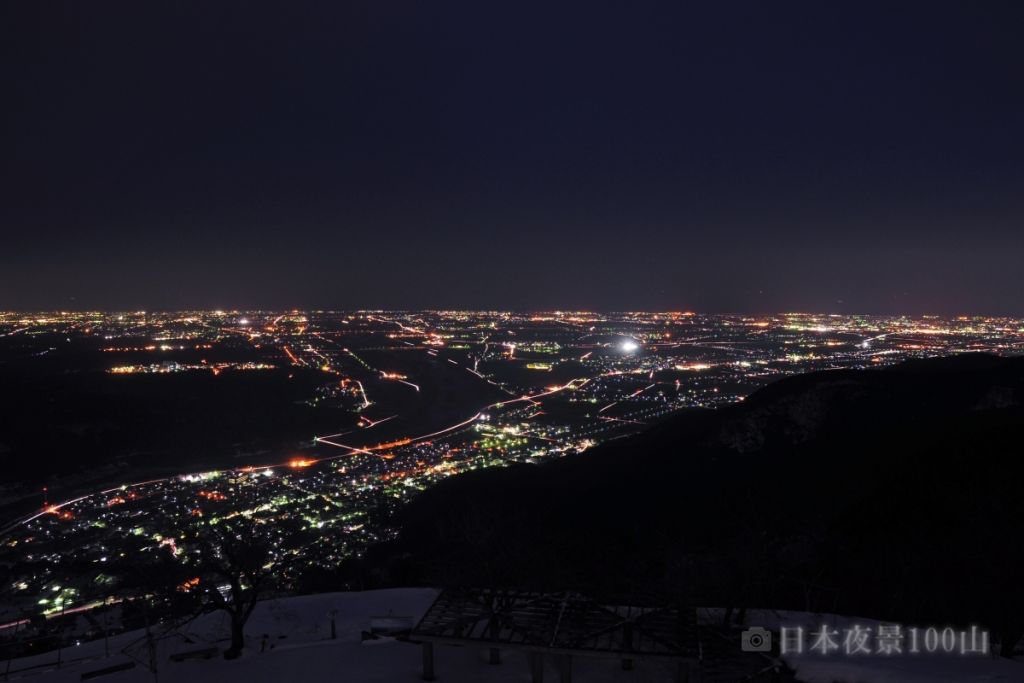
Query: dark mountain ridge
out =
(892, 493)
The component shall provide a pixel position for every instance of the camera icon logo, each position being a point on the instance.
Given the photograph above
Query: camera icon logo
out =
(756, 639)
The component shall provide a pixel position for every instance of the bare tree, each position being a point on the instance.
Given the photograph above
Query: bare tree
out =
(234, 571)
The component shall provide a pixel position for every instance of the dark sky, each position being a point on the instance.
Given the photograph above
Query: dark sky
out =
(716, 156)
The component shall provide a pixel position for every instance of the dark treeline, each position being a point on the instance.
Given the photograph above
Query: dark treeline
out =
(893, 494)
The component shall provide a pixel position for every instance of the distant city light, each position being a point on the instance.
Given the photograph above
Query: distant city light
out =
(571, 381)
(629, 346)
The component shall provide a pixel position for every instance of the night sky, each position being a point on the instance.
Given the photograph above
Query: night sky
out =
(840, 157)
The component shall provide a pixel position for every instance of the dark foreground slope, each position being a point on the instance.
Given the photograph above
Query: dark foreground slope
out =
(888, 493)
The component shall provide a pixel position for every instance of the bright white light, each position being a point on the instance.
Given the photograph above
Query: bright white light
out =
(629, 346)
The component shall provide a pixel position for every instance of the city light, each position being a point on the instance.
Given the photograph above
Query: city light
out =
(412, 399)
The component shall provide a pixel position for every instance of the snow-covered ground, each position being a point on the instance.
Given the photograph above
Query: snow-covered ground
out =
(298, 648)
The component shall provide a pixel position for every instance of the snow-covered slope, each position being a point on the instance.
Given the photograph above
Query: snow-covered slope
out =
(298, 647)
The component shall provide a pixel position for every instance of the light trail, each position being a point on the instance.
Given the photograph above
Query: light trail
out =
(366, 401)
(531, 435)
(295, 360)
(374, 423)
(400, 325)
(331, 436)
(640, 391)
(619, 419)
(351, 449)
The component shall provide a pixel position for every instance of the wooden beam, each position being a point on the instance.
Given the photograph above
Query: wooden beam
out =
(627, 645)
(536, 667)
(555, 650)
(565, 670)
(428, 661)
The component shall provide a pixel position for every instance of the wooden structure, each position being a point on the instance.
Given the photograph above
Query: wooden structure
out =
(558, 625)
